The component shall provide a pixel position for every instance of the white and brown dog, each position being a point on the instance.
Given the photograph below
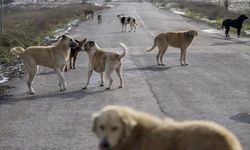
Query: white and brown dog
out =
(104, 61)
(125, 20)
(55, 57)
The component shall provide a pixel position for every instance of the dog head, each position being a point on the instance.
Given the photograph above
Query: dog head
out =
(88, 45)
(243, 17)
(80, 44)
(120, 15)
(192, 33)
(68, 41)
(112, 126)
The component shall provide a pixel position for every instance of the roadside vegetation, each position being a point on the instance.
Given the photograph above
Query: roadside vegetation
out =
(210, 13)
(26, 26)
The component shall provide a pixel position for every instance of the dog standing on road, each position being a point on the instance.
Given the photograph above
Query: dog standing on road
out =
(125, 20)
(104, 61)
(237, 23)
(175, 39)
(99, 18)
(55, 57)
(74, 53)
(123, 128)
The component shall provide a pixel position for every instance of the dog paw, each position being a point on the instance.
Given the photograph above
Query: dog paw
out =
(101, 85)
(84, 88)
(120, 87)
(32, 93)
(107, 88)
(163, 64)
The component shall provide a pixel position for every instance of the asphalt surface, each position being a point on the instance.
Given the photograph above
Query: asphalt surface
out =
(214, 86)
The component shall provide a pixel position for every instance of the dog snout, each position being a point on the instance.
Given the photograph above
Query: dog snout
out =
(104, 144)
(73, 44)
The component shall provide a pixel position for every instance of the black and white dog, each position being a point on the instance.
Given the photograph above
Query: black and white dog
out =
(236, 23)
(127, 20)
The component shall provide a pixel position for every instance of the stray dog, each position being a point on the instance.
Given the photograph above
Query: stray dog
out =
(55, 57)
(74, 53)
(122, 128)
(99, 19)
(104, 61)
(237, 23)
(175, 39)
(127, 20)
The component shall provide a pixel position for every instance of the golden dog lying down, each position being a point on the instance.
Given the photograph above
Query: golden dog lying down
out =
(122, 128)
(180, 40)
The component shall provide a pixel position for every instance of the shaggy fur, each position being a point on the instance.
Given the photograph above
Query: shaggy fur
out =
(122, 128)
(125, 20)
(236, 23)
(55, 57)
(175, 39)
(104, 61)
(74, 53)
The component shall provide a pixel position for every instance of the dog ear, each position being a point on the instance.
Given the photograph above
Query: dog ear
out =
(129, 124)
(94, 122)
(64, 36)
(92, 43)
(84, 40)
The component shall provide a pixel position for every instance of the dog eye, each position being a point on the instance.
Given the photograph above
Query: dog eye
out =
(102, 127)
(114, 128)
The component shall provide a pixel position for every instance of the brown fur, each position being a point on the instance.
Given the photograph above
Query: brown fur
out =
(55, 57)
(122, 128)
(104, 61)
(180, 40)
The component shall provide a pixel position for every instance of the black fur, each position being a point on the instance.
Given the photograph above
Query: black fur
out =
(123, 20)
(129, 19)
(236, 23)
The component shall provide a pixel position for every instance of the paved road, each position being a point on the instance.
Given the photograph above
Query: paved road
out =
(215, 86)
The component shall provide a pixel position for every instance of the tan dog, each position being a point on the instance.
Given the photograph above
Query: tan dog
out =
(122, 128)
(175, 39)
(104, 61)
(55, 57)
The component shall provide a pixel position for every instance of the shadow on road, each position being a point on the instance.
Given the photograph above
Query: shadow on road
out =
(242, 117)
(153, 68)
(74, 95)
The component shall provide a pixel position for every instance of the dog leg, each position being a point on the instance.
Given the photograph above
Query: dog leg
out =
(131, 27)
(70, 62)
(89, 75)
(182, 56)
(185, 54)
(134, 27)
(32, 73)
(238, 32)
(62, 82)
(227, 31)
(102, 79)
(125, 28)
(163, 49)
(157, 58)
(108, 74)
(74, 62)
(119, 71)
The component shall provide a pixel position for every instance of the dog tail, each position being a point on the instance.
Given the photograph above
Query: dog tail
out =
(153, 45)
(124, 52)
(17, 51)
